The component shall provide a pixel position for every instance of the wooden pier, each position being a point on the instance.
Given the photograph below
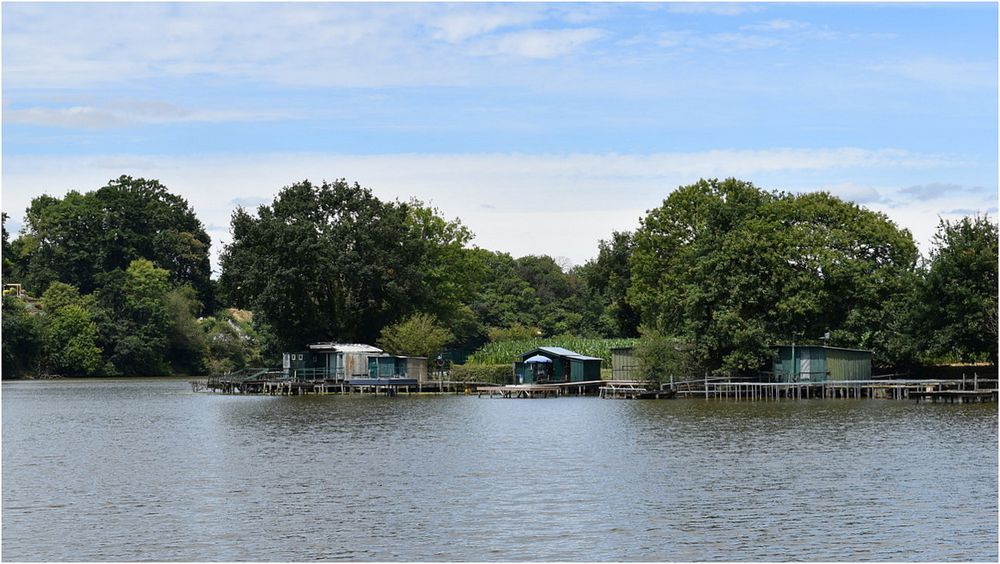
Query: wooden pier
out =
(632, 389)
(524, 391)
(956, 396)
(273, 382)
(933, 390)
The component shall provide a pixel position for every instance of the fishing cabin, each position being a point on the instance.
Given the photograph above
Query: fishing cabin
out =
(339, 362)
(817, 363)
(624, 364)
(555, 365)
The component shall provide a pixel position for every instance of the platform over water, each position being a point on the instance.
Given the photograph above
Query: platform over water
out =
(934, 390)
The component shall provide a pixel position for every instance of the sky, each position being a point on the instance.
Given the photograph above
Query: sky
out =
(543, 127)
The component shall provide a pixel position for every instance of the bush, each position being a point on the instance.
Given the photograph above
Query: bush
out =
(661, 356)
(492, 373)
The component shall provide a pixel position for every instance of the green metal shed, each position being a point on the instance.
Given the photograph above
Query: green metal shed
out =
(564, 366)
(817, 363)
(624, 364)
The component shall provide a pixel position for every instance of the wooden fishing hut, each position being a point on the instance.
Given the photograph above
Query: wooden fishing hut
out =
(624, 364)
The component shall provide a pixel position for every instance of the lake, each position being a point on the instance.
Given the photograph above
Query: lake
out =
(145, 469)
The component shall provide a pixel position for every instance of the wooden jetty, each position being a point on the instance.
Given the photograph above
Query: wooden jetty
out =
(933, 390)
(956, 396)
(633, 389)
(524, 391)
(275, 382)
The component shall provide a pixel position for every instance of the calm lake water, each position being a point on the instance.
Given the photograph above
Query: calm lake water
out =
(148, 470)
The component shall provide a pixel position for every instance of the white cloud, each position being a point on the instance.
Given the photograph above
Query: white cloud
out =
(674, 38)
(942, 72)
(718, 9)
(455, 27)
(539, 43)
(128, 113)
(740, 41)
(853, 192)
(584, 196)
(714, 41)
(777, 25)
(289, 45)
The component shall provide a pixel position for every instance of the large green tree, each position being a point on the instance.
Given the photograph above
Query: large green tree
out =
(734, 269)
(133, 320)
(186, 341)
(534, 291)
(451, 274)
(335, 262)
(960, 293)
(608, 278)
(77, 238)
(418, 335)
(71, 339)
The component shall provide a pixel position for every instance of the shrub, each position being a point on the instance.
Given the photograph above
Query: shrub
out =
(492, 373)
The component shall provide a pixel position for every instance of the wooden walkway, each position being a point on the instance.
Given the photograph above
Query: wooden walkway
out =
(956, 396)
(633, 389)
(524, 391)
(945, 390)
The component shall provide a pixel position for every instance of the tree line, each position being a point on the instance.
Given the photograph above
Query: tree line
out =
(720, 271)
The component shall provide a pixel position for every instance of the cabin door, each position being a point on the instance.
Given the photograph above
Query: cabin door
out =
(805, 366)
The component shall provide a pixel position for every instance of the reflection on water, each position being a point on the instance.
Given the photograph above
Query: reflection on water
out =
(147, 470)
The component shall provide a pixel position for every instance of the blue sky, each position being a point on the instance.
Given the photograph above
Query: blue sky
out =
(544, 127)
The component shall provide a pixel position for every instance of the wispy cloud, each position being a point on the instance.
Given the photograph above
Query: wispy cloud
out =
(943, 72)
(585, 195)
(725, 42)
(718, 9)
(937, 190)
(249, 202)
(129, 113)
(540, 43)
(851, 191)
(963, 212)
(458, 26)
(777, 25)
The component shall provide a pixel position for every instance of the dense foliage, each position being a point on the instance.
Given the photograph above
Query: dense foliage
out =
(121, 276)
(333, 262)
(80, 238)
(491, 373)
(665, 359)
(734, 269)
(960, 296)
(417, 335)
(716, 275)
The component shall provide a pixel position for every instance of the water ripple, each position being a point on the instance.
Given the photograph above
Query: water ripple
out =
(145, 470)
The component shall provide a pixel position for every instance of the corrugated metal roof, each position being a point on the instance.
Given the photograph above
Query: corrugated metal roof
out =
(345, 348)
(559, 351)
(823, 347)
